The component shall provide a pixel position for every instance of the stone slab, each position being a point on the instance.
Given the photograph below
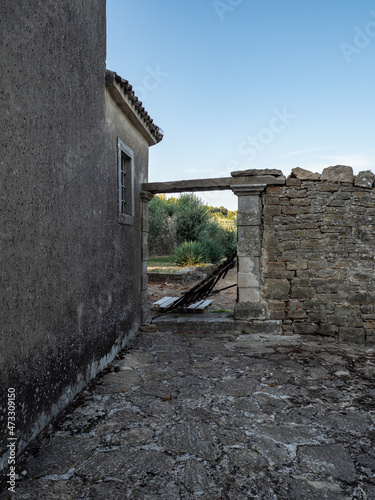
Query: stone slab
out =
(215, 324)
(338, 173)
(215, 184)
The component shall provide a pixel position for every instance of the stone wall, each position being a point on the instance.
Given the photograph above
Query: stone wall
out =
(319, 254)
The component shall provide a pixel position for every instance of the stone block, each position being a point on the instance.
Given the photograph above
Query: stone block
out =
(367, 309)
(329, 187)
(248, 280)
(317, 317)
(277, 314)
(300, 201)
(279, 274)
(296, 310)
(249, 211)
(249, 241)
(327, 330)
(302, 292)
(365, 179)
(249, 310)
(352, 335)
(276, 305)
(305, 175)
(297, 209)
(248, 294)
(292, 181)
(305, 328)
(277, 289)
(249, 218)
(296, 193)
(362, 298)
(271, 210)
(274, 190)
(296, 266)
(345, 321)
(256, 172)
(271, 200)
(338, 173)
(249, 264)
(276, 265)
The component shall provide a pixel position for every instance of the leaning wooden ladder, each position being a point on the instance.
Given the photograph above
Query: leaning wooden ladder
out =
(195, 298)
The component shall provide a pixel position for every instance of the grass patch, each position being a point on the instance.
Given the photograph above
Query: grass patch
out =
(166, 264)
(163, 264)
(221, 311)
(163, 261)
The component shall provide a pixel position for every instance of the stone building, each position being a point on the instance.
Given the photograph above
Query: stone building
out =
(74, 154)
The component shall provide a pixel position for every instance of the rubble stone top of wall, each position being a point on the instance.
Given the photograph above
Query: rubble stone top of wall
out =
(337, 173)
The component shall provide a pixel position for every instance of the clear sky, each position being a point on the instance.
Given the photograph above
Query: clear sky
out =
(238, 84)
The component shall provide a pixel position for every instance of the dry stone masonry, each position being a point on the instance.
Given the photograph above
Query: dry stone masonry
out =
(318, 256)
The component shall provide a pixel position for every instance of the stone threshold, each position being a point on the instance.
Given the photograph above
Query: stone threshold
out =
(212, 322)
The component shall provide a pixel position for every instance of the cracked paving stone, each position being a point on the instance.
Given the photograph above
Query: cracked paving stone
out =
(287, 434)
(125, 464)
(330, 460)
(295, 488)
(208, 417)
(64, 453)
(276, 453)
(133, 437)
(352, 422)
(117, 421)
(195, 439)
(194, 477)
(134, 360)
(51, 490)
(272, 404)
(247, 461)
(159, 389)
(154, 407)
(119, 382)
(242, 386)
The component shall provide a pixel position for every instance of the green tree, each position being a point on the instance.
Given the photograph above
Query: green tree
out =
(192, 217)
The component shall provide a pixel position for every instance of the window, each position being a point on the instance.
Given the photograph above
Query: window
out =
(125, 183)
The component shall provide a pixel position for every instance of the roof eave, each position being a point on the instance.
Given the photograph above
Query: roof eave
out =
(119, 90)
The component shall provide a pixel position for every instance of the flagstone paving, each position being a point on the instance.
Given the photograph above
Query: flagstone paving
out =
(216, 416)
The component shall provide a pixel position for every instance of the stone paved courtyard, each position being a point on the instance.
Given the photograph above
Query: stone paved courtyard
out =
(216, 416)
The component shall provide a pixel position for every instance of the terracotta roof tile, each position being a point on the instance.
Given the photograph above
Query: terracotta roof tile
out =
(155, 131)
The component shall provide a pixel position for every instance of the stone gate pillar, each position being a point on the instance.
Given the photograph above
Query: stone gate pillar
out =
(146, 197)
(249, 250)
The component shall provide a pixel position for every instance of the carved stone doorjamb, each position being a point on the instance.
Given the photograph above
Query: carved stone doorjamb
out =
(249, 250)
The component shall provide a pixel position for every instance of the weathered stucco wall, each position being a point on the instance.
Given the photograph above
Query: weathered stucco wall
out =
(71, 291)
(319, 254)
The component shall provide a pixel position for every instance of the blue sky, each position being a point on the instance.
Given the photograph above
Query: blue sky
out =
(238, 84)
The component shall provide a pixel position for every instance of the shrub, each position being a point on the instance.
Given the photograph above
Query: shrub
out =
(214, 252)
(228, 240)
(162, 230)
(190, 253)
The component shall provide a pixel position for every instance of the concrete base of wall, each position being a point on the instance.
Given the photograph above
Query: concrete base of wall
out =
(215, 322)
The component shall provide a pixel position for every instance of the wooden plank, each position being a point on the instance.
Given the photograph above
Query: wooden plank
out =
(205, 304)
(164, 302)
(200, 305)
(161, 301)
